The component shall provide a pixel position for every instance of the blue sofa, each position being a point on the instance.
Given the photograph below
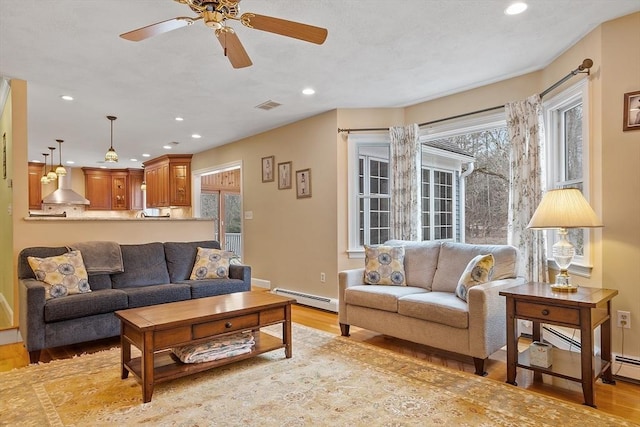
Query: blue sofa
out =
(154, 273)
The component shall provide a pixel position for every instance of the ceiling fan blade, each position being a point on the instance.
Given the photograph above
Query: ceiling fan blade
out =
(158, 28)
(233, 48)
(299, 31)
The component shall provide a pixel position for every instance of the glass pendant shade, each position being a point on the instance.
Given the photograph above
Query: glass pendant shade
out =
(44, 179)
(111, 155)
(52, 173)
(143, 186)
(60, 170)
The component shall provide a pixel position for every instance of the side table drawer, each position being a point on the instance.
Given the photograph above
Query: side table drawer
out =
(548, 313)
(231, 324)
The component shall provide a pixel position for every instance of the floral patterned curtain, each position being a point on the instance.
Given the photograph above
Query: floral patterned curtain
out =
(405, 187)
(526, 131)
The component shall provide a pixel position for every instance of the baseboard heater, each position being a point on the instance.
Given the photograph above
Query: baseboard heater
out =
(324, 303)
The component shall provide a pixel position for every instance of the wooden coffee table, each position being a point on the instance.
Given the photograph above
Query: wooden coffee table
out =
(156, 329)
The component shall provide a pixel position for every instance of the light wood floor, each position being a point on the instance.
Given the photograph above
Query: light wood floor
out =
(622, 399)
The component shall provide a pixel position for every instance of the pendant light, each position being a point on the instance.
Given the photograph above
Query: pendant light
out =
(111, 156)
(45, 179)
(60, 170)
(52, 173)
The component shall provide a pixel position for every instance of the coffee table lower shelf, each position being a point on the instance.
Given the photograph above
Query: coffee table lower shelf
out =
(167, 368)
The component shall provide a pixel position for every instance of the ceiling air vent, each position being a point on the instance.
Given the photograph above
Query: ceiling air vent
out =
(268, 105)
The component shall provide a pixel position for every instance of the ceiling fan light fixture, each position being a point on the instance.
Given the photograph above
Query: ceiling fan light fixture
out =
(60, 170)
(111, 156)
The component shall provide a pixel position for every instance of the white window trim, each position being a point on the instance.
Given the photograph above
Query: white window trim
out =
(581, 265)
(353, 141)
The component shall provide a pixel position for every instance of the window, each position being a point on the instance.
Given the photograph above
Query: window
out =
(567, 158)
(437, 204)
(373, 194)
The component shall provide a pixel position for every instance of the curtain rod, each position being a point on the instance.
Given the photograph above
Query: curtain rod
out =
(584, 68)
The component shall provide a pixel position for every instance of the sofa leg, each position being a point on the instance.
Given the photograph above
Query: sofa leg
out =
(479, 364)
(344, 329)
(34, 356)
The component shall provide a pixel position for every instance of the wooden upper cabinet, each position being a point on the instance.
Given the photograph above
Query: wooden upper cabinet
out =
(168, 180)
(35, 185)
(113, 189)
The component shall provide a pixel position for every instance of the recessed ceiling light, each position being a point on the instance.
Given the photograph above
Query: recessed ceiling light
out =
(36, 161)
(308, 91)
(103, 167)
(179, 119)
(146, 155)
(133, 160)
(67, 97)
(71, 162)
(166, 147)
(515, 8)
(196, 136)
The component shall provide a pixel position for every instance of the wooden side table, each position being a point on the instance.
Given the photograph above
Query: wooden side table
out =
(585, 310)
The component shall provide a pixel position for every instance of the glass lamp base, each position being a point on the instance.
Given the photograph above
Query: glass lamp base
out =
(560, 287)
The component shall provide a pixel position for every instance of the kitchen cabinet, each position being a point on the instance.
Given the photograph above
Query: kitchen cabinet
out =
(35, 185)
(113, 189)
(168, 180)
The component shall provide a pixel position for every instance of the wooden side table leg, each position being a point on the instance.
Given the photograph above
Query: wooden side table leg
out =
(536, 334)
(286, 332)
(586, 352)
(147, 367)
(512, 342)
(605, 348)
(125, 354)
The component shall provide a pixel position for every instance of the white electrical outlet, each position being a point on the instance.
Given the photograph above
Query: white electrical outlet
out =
(323, 277)
(624, 319)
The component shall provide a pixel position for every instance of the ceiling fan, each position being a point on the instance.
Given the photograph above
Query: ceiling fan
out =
(215, 15)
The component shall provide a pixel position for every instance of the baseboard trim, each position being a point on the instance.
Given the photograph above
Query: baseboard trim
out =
(260, 283)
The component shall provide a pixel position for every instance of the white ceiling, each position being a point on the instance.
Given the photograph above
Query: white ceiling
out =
(378, 53)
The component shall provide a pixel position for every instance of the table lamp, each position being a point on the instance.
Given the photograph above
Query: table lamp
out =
(562, 209)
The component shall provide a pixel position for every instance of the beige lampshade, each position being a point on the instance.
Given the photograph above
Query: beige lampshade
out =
(564, 208)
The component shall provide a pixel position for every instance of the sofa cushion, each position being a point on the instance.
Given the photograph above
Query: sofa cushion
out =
(181, 256)
(144, 265)
(454, 258)
(213, 287)
(211, 264)
(82, 305)
(439, 307)
(478, 271)
(420, 261)
(63, 274)
(24, 269)
(380, 297)
(157, 294)
(384, 265)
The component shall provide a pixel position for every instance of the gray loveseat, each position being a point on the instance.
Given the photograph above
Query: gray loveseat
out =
(427, 311)
(154, 273)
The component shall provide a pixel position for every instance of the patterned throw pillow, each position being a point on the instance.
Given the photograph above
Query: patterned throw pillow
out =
(211, 264)
(478, 271)
(64, 274)
(384, 265)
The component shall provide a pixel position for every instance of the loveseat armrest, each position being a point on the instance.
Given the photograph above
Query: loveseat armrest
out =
(488, 316)
(242, 272)
(346, 279)
(31, 323)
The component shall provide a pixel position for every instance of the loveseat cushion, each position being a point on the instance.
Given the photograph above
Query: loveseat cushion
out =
(213, 287)
(420, 261)
(380, 297)
(439, 307)
(83, 305)
(181, 257)
(144, 265)
(454, 257)
(143, 296)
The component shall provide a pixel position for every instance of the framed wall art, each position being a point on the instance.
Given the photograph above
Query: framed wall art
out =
(267, 169)
(303, 183)
(631, 111)
(284, 175)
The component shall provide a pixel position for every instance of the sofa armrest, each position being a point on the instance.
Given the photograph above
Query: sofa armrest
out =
(346, 279)
(488, 316)
(31, 323)
(242, 272)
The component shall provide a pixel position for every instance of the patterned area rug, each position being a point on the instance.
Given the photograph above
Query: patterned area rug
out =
(330, 381)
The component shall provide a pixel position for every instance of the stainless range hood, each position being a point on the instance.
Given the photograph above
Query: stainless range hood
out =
(64, 195)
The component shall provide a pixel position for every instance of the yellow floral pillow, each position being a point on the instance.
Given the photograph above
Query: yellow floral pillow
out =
(211, 264)
(478, 271)
(384, 265)
(64, 274)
